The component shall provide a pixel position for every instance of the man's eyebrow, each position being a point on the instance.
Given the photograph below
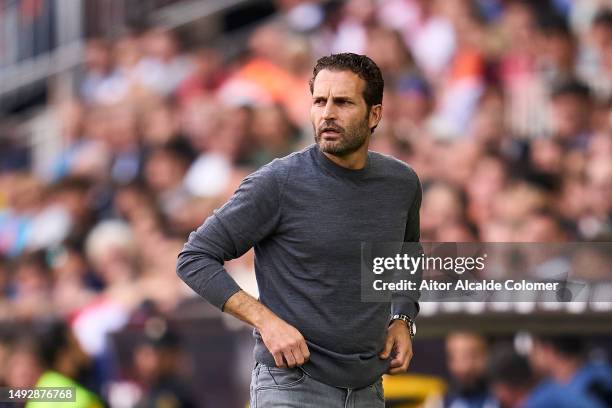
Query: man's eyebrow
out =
(335, 98)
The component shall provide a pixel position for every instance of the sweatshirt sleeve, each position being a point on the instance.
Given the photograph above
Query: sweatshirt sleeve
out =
(250, 215)
(407, 302)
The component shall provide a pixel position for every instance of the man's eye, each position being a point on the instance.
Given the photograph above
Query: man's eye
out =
(319, 102)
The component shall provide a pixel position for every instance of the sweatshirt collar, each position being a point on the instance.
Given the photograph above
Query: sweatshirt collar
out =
(339, 170)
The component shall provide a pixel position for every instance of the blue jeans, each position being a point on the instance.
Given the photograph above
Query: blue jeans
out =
(273, 387)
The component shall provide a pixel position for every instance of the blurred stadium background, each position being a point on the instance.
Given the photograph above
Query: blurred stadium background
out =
(123, 124)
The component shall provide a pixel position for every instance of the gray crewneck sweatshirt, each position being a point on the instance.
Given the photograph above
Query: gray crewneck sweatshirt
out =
(307, 217)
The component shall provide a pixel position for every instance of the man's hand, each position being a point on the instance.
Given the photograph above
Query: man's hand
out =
(284, 342)
(399, 342)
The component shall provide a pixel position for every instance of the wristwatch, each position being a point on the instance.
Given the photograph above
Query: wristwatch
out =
(409, 322)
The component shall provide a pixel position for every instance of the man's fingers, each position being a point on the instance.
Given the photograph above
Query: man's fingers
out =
(278, 359)
(388, 347)
(297, 355)
(304, 350)
(289, 357)
(397, 370)
(286, 344)
(403, 366)
(400, 357)
(300, 352)
(396, 362)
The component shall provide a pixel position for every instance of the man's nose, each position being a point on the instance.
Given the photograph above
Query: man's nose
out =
(330, 111)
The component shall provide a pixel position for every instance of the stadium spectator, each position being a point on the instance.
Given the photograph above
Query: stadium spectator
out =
(467, 356)
(157, 361)
(515, 385)
(65, 365)
(22, 364)
(564, 359)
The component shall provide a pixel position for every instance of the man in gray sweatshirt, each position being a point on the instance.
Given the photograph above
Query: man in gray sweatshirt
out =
(307, 214)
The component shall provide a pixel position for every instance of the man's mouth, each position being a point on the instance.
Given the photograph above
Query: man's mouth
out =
(330, 132)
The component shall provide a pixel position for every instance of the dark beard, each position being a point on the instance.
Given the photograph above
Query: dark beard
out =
(346, 144)
(472, 388)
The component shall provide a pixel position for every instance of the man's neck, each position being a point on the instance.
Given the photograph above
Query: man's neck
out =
(352, 161)
(521, 398)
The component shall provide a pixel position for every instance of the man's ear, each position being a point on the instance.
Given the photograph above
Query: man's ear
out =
(375, 116)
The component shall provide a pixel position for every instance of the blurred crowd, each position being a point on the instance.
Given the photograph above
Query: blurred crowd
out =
(503, 108)
(535, 372)
(49, 355)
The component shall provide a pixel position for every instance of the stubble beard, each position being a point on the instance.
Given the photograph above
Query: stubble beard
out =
(349, 139)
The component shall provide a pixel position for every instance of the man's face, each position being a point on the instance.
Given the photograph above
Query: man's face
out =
(339, 114)
(569, 115)
(507, 396)
(541, 358)
(467, 359)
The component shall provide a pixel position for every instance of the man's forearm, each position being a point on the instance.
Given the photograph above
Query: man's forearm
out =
(248, 309)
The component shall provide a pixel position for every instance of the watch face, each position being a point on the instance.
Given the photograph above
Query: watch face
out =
(413, 329)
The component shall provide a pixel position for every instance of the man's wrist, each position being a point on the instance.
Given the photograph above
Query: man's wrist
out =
(400, 322)
(263, 317)
(407, 321)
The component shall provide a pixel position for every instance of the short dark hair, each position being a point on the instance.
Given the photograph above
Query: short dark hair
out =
(358, 64)
(603, 18)
(572, 87)
(566, 345)
(509, 368)
(556, 26)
